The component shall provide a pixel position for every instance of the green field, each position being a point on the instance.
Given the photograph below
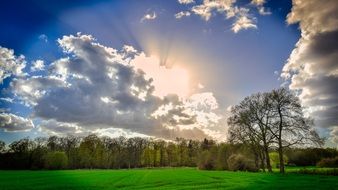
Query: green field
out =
(172, 178)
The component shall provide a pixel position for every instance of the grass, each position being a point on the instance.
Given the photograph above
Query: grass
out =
(170, 178)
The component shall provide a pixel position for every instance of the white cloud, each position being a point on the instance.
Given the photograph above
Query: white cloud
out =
(242, 19)
(11, 123)
(149, 16)
(206, 9)
(10, 100)
(182, 14)
(258, 2)
(312, 67)
(10, 64)
(261, 9)
(53, 127)
(186, 1)
(38, 65)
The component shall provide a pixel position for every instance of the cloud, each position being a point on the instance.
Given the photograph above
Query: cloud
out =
(94, 88)
(260, 7)
(38, 65)
(30, 90)
(243, 21)
(149, 16)
(258, 2)
(186, 1)
(10, 64)
(312, 67)
(182, 14)
(12, 123)
(208, 8)
(263, 11)
(53, 127)
(7, 99)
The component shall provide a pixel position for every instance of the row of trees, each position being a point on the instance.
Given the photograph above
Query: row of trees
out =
(271, 120)
(99, 152)
(117, 153)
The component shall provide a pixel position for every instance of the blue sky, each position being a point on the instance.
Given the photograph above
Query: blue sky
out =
(221, 63)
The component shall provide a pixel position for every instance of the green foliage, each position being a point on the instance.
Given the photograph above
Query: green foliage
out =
(56, 160)
(328, 162)
(119, 153)
(274, 159)
(309, 156)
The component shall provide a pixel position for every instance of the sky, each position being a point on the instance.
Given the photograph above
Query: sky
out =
(161, 68)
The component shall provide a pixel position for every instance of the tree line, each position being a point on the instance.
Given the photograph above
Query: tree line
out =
(122, 153)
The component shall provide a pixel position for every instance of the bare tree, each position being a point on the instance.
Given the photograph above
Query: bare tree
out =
(2, 146)
(249, 124)
(289, 126)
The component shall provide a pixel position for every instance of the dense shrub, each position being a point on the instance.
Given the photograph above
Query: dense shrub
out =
(56, 160)
(309, 156)
(239, 162)
(328, 162)
(206, 161)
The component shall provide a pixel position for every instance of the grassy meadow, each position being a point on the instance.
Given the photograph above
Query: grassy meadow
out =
(167, 178)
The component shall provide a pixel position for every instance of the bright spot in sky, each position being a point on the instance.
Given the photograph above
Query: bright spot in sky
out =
(174, 80)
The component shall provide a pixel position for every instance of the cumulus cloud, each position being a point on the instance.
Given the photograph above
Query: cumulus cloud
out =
(149, 16)
(242, 19)
(38, 65)
(312, 67)
(11, 123)
(182, 14)
(95, 88)
(10, 64)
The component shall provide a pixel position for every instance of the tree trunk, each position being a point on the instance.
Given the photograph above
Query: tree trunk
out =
(256, 160)
(280, 144)
(262, 158)
(281, 158)
(267, 158)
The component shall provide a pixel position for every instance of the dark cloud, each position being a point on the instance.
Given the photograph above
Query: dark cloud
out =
(313, 66)
(95, 88)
